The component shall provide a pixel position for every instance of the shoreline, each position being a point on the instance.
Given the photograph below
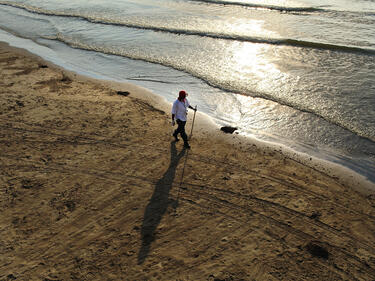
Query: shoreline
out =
(206, 124)
(94, 187)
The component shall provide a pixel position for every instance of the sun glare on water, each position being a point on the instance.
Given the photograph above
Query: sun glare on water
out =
(251, 62)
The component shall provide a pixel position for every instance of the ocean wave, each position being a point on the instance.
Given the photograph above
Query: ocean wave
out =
(219, 2)
(326, 46)
(284, 9)
(200, 33)
(263, 6)
(212, 82)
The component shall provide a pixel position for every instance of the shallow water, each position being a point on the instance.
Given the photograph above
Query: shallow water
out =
(300, 73)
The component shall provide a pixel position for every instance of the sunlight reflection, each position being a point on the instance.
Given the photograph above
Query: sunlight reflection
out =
(254, 27)
(250, 61)
(252, 65)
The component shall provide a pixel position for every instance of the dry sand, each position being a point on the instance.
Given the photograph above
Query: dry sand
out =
(91, 190)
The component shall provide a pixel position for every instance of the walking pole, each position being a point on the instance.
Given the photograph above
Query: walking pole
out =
(192, 125)
(181, 180)
(186, 157)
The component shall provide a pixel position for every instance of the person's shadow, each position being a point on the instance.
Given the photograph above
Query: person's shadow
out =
(158, 204)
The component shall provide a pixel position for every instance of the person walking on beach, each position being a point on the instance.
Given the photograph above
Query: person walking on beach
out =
(179, 112)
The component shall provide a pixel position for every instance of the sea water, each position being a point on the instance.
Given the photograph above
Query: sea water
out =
(300, 73)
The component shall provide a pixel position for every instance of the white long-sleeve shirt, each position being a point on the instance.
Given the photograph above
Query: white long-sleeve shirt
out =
(180, 108)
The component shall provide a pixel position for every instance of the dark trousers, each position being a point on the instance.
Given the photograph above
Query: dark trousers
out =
(181, 130)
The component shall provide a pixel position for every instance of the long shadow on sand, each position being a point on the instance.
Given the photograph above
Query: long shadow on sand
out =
(158, 204)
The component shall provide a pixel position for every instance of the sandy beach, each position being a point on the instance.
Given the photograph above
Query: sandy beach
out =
(93, 187)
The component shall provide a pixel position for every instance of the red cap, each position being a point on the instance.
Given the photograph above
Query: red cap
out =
(182, 94)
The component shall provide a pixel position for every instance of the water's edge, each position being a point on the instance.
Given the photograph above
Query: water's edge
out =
(344, 174)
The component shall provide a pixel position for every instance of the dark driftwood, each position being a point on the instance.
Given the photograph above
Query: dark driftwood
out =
(228, 129)
(121, 93)
(317, 250)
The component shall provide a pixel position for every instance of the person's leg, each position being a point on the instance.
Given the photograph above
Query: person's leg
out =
(178, 130)
(175, 133)
(181, 128)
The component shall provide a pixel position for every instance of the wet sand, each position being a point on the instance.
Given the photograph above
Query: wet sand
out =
(94, 188)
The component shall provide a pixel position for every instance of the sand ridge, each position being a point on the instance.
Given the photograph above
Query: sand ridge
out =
(92, 189)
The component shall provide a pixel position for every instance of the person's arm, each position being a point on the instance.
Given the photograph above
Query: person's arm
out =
(173, 113)
(193, 108)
